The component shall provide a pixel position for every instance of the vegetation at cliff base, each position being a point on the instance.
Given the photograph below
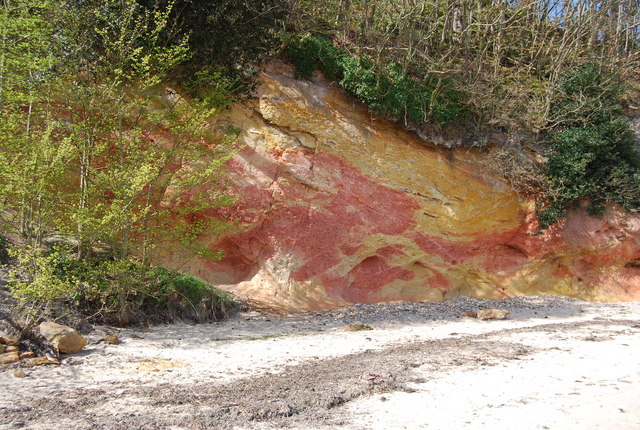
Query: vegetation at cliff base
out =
(98, 155)
(116, 291)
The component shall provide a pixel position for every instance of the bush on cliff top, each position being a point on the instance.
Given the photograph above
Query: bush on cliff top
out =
(593, 146)
(388, 91)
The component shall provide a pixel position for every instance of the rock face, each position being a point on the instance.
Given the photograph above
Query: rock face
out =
(337, 206)
(65, 339)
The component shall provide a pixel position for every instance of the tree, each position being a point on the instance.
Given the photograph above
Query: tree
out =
(34, 155)
(111, 153)
(98, 154)
(226, 39)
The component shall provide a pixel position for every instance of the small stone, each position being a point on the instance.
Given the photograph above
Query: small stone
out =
(2, 348)
(28, 354)
(40, 361)
(12, 349)
(9, 357)
(357, 327)
(492, 314)
(468, 315)
(65, 339)
(372, 378)
(112, 339)
(19, 374)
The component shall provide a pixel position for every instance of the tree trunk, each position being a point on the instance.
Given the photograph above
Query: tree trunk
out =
(83, 244)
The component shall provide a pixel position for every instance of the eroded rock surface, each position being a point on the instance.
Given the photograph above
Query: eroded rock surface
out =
(63, 338)
(337, 206)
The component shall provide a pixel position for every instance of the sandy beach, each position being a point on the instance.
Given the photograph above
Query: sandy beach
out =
(555, 363)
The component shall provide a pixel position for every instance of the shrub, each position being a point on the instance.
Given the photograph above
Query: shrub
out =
(115, 291)
(388, 89)
(191, 291)
(594, 155)
(35, 279)
(309, 53)
(587, 96)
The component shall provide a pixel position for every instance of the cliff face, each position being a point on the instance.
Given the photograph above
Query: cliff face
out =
(337, 206)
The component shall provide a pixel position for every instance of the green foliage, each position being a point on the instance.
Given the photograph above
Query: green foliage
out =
(309, 53)
(33, 152)
(33, 165)
(116, 291)
(225, 37)
(96, 152)
(188, 287)
(104, 118)
(35, 280)
(594, 148)
(26, 57)
(388, 91)
(363, 81)
(588, 96)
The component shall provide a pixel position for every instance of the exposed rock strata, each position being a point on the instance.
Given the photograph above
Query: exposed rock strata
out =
(337, 206)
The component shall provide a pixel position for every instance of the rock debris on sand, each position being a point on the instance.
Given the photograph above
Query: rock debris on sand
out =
(557, 360)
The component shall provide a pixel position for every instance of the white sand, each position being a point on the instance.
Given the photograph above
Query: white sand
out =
(581, 384)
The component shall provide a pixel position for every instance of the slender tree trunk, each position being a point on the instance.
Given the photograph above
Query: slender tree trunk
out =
(500, 39)
(5, 6)
(126, 231)
(85, 160)
(27, 212)
(146, 258)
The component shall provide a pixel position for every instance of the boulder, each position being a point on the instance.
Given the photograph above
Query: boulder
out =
(8, 340)
(65, 339)
(9, 357)
(492, 314)
(111, 339)
(40, 361)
